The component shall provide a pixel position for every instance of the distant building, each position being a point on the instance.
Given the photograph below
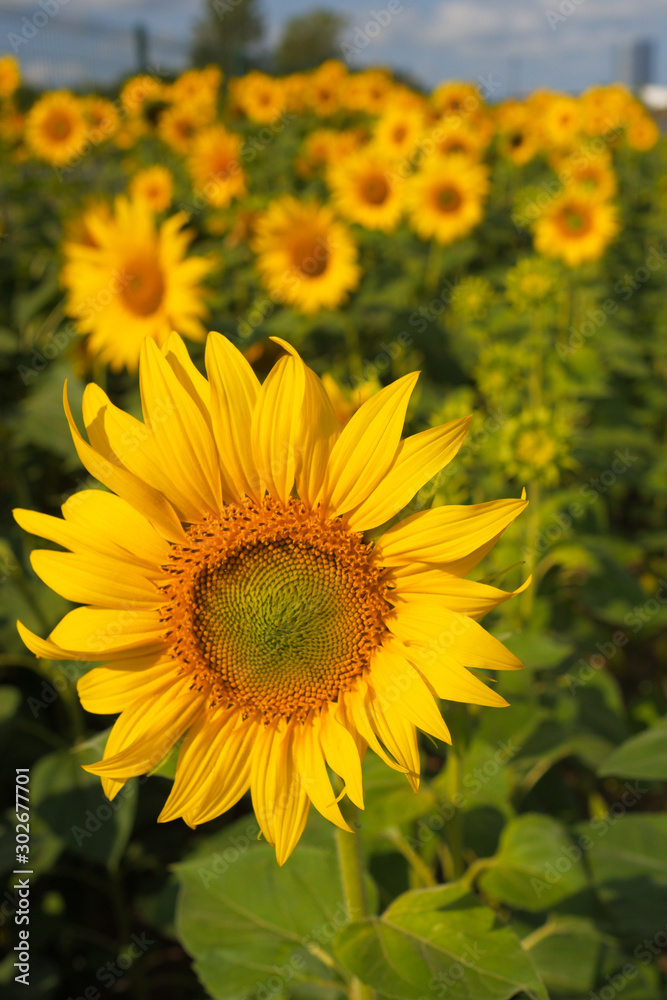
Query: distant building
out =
(635, 63)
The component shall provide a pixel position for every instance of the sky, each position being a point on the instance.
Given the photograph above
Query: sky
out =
(507, 46)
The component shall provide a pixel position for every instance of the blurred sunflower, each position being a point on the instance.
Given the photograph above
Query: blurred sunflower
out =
(537, 445)
(10, 75)
(575, 228)
(445, 198)
(179, 125)
(102, 118)
(397, 132)
(306, 257)
(215, 167)
(560, 120)
(55, 127)
(260, 97)
(141, 91)
(531, 283)
(266, 630)
(517, 136)
(131, 280)
(367, 91)
(642, 132)
(155, 185)
(472, 298)
(593, 172)
(364, 190)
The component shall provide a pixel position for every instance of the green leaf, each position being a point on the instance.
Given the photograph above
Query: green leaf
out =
(538, 651)
(642, 756)
(389, 798)
(574, 937)
(254, 928)
(628, 864)
(436, 942)
(537, 865)
(73, 806)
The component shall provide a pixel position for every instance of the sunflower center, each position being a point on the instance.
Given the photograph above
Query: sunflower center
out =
(310, 257)
(143, 290)
(375, 189)
(274, 609)
(574, 221)
(448, 199)
(59, 125)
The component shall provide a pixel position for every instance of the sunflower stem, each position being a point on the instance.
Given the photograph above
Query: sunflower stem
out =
(350, 861)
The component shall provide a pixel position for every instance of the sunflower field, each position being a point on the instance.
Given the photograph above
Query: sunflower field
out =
(249, 566)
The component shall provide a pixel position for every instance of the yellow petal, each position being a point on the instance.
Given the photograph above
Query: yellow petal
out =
(143, 735)
(312, 771)
(398, 685)
(46, 649)
(99, 580)
(234, 392)
(367, 446)
(182, 437)
(208, 763)
(356, 714)
(98, 633)
(131, 444)
(444, 534)
(279, 799)
(470, 598)
(399, 736)
(115, 517)
(275, 427)
(446, 632)
(106, 690)
(138, 494)
(318, 431)
(418, 459)
(176, 355)
(342, 754)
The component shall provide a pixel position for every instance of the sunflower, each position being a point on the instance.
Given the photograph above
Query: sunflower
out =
(131, 280)
(397, 132)
(102, 118)
(55, 128)
(10, 75)
(198, 87)
(155, 185)
(260, 97)
(365, 192)
(453, 137)
(215, 167)
(141, 91)
(575, 227)
(561, 120)
(446, 198)
(305, 256)
(455, 98)
(589, 170)
(227, 580)
(642, 132)
(367, 91)
(179, 125)
(518, 140)
(324, 87)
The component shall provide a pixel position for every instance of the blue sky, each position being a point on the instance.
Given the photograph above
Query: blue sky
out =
(512, 44)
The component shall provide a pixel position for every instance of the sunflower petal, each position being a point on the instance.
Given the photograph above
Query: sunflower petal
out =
(397, 684)
(444, 534)
(417, 460)
(234, 392)
(367, 446)
(275, 427)
(312, 769)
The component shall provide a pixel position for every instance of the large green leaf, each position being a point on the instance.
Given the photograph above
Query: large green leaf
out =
(254, 928)
(642, 756)
(438, 942)
(537, 865)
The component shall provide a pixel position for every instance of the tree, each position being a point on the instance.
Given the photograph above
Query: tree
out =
(308, 40)
(228, 34)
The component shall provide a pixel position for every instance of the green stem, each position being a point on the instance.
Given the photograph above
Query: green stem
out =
(433, 266)
(455, 824)
(418, 865)
(350, 861)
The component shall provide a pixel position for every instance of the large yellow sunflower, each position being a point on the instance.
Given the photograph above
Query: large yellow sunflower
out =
(446, 198)
(227, 579)
(55, 128)
(215, 166)
(364, 190)
(306, 257)
(129, 280)
(576, 227)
